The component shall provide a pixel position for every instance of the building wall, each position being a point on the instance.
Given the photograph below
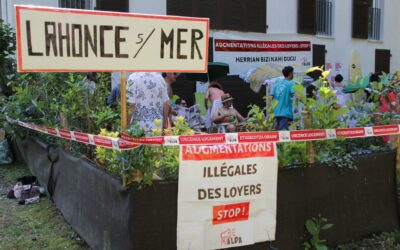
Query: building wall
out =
(8, 11)
(282, 22)
(282, 25)
(157, 7)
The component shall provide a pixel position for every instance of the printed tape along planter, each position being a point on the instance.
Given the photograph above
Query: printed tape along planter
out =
(127, 142)
(109, 216)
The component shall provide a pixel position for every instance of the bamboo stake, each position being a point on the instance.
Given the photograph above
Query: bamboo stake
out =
(124, 120)
(309, 145)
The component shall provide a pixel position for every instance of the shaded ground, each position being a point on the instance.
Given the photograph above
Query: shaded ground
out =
(384, 241)
(36, 226)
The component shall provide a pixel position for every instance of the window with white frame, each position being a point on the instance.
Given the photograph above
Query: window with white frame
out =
(75, 4)
(324, 10)
(375, 20)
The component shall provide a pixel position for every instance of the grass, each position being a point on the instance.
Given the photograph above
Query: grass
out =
(36, 226)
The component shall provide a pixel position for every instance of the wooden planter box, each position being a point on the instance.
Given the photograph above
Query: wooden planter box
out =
(109, 216)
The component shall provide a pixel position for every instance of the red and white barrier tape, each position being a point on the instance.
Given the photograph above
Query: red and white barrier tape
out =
(272, 136)
(127, 142)
(97, 140)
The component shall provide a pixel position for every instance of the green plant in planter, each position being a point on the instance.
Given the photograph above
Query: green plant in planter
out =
(169, 162)
(109, 158)
(257, 119)
(146, 162)
(291, 153)
(105, 117)
(325, 114)
(314, 227)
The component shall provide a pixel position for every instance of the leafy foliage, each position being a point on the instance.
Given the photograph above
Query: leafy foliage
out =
(259, 119)
(292, 153)
(109, 158)
(7, 62)
(146, 162)
(314, 227)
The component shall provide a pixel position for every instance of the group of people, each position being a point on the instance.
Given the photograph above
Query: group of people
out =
(284, 92)
(149, 95)
(221, 113)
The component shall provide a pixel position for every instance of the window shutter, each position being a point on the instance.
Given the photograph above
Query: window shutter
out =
(306, 22)
(180, 7)
(255, 16)
(207, 8)
(382, 60)
(232, 15)
(318, 54)
(115, 5)
(360, 18)
(240, 15)
(210, 49)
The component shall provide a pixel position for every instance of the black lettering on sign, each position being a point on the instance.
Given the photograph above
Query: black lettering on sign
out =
(165, 40)
(50, 37)
(62, 37)
(90, 40)
(140, 36)
(29, 40)
(77, 27)
(118, 41)
(196, 35)
(180, 41)
(104, 28)
(202, 194)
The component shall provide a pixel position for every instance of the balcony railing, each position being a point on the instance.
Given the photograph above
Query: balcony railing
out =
(75, 4)
(324, 16)
(374, 24)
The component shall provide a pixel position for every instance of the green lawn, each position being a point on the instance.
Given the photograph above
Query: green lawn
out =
(36, 226)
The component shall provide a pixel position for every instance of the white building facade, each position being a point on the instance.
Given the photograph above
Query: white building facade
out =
(335, 28)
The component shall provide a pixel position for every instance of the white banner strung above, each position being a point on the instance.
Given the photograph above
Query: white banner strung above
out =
(227, 195)
(242, 55)
(62, 40)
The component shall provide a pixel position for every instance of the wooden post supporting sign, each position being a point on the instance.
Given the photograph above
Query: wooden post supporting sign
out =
(124, 114)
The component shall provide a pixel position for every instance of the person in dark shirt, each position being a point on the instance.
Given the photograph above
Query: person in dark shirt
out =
(114, 96)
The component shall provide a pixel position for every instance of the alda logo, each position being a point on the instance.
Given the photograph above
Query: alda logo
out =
(229, 237)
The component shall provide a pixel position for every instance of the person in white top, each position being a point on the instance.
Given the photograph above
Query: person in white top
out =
(342, 97)
(148, 99)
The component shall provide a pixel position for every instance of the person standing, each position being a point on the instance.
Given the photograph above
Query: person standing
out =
(169, 79)
(214, 95)
(89, 83)
(113, 98)
(340, 95)
(283, 91)
(148, 99)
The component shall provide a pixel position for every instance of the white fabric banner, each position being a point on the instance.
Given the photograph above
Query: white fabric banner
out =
(227, 195)
(242, 55)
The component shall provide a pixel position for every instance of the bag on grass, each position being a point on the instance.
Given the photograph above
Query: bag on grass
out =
(5, 152)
